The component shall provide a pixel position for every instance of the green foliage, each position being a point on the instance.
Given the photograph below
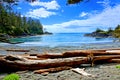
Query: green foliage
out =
(11, 77)
(13, 24)
(68, 1)
(117, 32)
(13, 1)
(110, 31)
(99, 31)
(118, 66)
(73, 1)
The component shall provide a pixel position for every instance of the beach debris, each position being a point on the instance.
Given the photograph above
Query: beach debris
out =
(77, 53)
(55, 62)
(51, 70)
(18, 50)
(14, 58)
(41, 64)
(82, 72)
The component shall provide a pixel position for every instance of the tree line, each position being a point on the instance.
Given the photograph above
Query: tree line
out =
(110, 32)
(68, 1)
(13, 24)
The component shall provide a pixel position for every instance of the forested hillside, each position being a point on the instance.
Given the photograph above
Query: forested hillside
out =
(13, 24)
(102, 33)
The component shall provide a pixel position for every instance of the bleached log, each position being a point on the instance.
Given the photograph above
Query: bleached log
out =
(113, 51)
(42, 64)
(82, 72)
(14, 58)
(51, 70)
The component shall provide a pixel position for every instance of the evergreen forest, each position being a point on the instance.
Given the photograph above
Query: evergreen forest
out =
(13, 24)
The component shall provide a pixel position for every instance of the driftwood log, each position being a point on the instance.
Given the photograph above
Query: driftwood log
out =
(52, 61)
(24, 64)
(51, 70)
(41, 64)
(82, 72)
(79, 53)
(18, 50)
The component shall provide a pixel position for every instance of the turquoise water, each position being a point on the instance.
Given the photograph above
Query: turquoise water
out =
(60, 39)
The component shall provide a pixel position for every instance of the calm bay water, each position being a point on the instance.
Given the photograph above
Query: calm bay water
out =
(60, 39)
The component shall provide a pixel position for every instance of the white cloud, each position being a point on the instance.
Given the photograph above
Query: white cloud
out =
(40, 13)
(109, 17)
(105, 3)
(19, 8)
(83, 14)
(48, 5)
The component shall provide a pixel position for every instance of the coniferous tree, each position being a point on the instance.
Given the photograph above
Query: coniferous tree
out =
(13, 24)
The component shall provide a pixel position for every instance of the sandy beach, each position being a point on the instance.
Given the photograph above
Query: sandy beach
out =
(101, 71)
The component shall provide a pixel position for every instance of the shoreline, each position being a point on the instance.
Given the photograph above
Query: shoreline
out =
(59, 49)
(101, 71)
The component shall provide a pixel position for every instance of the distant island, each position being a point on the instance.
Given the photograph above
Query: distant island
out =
(99, 33)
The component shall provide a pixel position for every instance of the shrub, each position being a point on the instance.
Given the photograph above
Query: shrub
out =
(118, 66)
(11, 77)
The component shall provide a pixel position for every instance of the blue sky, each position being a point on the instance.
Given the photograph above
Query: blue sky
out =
(57, 17)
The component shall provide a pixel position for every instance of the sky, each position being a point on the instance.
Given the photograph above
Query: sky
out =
(58, 17)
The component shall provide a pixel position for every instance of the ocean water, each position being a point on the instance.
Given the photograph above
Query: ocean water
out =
(59, 39)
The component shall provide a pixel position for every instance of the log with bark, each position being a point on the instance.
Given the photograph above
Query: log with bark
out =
(79, 53)
(25, 64)
(20, 63)
(50, 55)
(70, 59)
(51, 70)
(114, 61)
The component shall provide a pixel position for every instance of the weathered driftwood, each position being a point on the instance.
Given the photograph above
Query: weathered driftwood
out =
(14, 58)
(105, 58)
(51, 70)
(51, 56)
(114, 60)
(94, 52)
(42, 64)
(80, 53)
(70, 58)
(20, 63)
(82, 72)
(18, 50)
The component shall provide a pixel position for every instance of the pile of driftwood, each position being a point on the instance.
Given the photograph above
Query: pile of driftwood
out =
(57, 62)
